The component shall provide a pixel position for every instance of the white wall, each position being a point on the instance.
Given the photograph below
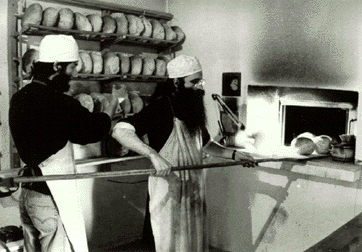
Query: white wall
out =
(313, 43)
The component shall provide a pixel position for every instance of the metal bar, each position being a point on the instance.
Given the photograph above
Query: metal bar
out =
(228, 111)
(153, 171)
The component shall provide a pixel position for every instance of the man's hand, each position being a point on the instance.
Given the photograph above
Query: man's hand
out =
(242, 156)
(162, 166)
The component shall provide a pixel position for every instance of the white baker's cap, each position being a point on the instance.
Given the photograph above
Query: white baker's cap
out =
(182, 66)
(61, 48)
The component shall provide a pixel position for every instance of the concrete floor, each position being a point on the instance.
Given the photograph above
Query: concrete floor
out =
(348, 238)
(140, 246)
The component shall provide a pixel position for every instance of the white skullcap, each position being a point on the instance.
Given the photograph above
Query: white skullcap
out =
(182, 66)
(61, 48)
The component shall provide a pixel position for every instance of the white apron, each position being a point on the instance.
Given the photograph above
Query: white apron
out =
(65, 195)
(177, 202)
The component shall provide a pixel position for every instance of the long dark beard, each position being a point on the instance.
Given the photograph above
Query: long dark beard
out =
(60, 82)
(190, 108)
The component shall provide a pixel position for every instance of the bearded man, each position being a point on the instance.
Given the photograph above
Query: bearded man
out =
(44, 122)
(175, 124)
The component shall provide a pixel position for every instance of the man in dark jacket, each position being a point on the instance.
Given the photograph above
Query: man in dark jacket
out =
(175, 123)
(44, 122)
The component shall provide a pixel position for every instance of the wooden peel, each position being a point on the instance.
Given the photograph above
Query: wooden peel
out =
(149, 171)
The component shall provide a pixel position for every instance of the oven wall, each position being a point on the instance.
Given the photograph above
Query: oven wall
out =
(265, 108)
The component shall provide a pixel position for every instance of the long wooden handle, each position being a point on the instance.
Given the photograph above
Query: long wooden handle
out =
(142, 172)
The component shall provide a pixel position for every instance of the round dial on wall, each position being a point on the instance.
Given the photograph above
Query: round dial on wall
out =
(234, 85)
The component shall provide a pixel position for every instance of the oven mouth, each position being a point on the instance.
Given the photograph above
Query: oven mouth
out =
(319, 119)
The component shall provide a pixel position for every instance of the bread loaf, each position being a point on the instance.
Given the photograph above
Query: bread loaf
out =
(109, 24)
(169, 33)
(147, 32)
(32, 15)
(50, 17)
(86, 101)
(322, 144)
(180, 34)
(109, 99)
(79, 65)
(126, 104)
(304, 144)
(28, 59)
(120, 90)
(160, 67)
(136, 101)
(136, 65)
(135, 25)
(121, 22)
(66, 18)
(158, 31)
(125, 63)
(149, 66)
(82, 23)
(100, 101)
(87, 67)
(96, 22)
(97, 62)
(110, 63)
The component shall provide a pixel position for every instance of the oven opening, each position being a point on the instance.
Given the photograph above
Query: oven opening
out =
(316, 120)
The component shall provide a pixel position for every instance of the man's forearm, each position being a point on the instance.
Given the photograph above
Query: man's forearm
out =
(129, 139)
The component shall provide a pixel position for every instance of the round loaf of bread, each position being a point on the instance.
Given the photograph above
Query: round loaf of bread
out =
(149, 66)
(96, 22)
(120, 92)
(121, 22)
(147, 32)
(169, 33)
(125, 63)
(109, 24)
(180, 34)
(135, 25)
(136, 65)
(303, 145)
(136, 101)
(322, 144)
(86, 101)
(160, 67)
(110, 63)
(100, 101)
(82, 23)
(28, 59)
(66, 19)
(126, 105)
(50, 17)
(33, 15)
(97, 62)
(87, 67)
(158, 31)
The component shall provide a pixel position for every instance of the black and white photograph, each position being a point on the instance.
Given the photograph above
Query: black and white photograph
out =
(183, 126)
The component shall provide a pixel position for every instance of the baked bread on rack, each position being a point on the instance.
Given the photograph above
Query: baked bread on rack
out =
(32, 15)
(50, 17)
